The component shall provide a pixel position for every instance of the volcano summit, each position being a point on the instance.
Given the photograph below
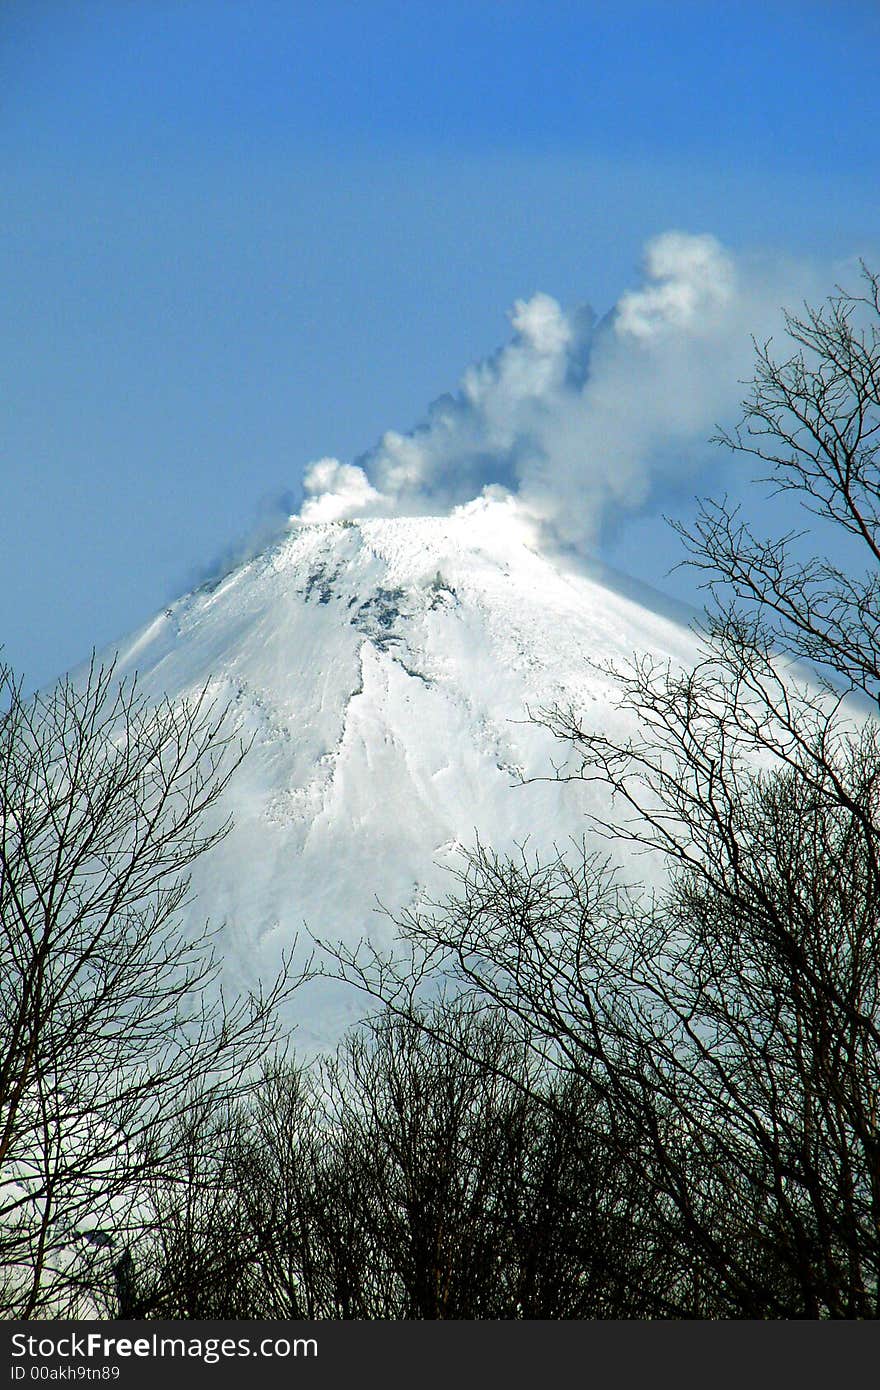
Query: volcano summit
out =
(384, 671)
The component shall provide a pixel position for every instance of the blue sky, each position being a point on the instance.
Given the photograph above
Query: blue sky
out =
(238, 238)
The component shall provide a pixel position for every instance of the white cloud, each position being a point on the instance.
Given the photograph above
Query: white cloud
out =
(336, 490)
(691, 283)
(541, 324)
(581, 422)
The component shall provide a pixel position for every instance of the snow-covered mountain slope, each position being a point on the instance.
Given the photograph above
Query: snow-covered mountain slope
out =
(385, 669)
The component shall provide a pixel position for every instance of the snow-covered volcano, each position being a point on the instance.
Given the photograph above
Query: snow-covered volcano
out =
(385, 669)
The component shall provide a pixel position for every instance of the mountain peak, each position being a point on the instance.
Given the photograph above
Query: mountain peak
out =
(384, 670)
(495, 525)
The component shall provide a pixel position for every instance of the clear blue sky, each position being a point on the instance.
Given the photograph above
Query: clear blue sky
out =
(239, 236)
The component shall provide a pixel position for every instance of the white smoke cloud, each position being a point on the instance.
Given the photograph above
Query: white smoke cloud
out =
(335, 490)
(691, 282)
(580, 421)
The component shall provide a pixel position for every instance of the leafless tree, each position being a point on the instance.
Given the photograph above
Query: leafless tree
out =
(111, 1024)
(729, 1023)
(813, 420)
(427, 1171)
